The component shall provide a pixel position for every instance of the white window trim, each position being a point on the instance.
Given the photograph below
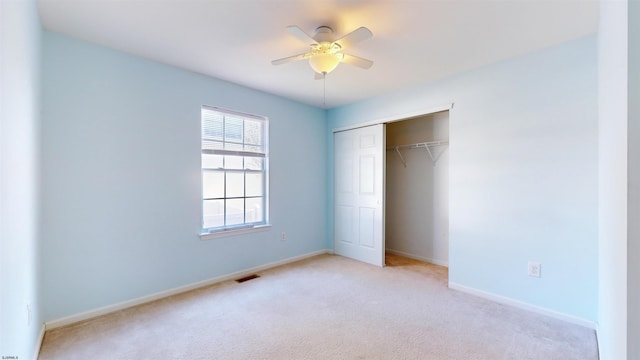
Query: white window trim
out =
(232, 232)
(244, 229)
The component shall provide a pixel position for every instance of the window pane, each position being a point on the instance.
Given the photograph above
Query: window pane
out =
(235, 212)
(235, 184)
(211, 161)
(233, 129)
(212, 125)
(233, 146)
(254, 210)
(253, 163)
(254, 148)
(213, 211)
(254, 184)
(213, 184)
(233, 162)
(212, 144)
(253, 132)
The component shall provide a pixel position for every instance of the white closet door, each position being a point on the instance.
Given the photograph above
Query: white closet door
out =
(359, 194)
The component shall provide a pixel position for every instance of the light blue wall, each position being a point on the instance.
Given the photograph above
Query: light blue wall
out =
(19, 127)
(523, 173)
(121, 178)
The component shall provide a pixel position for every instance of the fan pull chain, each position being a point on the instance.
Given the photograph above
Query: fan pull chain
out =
(324, 89)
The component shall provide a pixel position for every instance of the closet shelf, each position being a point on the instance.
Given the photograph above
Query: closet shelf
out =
(426, 145)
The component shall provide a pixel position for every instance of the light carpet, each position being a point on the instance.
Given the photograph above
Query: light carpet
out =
(326, 307)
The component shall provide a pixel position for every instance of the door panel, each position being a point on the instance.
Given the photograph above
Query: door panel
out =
(343, 224)
(367, 175)
(359, 194)
(344, 183)
(367, 227)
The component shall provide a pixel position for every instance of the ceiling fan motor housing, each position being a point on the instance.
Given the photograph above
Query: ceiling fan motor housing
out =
(323, 34)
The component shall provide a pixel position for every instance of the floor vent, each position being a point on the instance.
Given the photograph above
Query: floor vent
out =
(247, 278)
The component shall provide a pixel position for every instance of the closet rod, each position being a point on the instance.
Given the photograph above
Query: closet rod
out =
(426, 145)
(419, 145)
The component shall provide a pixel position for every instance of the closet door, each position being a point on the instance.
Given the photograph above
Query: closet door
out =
(359, 193)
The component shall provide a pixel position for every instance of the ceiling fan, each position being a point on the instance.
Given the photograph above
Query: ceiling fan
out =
(325, 53)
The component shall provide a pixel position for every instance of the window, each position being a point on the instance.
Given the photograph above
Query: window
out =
(234, 170)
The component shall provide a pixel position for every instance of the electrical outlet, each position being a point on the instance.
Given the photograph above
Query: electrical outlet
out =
(534, 269)
(283, 236)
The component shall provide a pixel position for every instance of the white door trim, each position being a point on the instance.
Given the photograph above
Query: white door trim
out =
(398, 117)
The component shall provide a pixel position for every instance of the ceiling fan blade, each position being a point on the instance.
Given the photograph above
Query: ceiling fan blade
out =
(357, 35)
(357, 61)
(300, 34)
(289, 59)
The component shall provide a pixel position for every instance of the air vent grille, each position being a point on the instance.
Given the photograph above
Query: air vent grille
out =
(247, 278)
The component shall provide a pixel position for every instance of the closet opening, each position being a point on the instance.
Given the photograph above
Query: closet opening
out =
(417, 188)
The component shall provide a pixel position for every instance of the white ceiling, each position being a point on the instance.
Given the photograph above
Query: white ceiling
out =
(414, 41)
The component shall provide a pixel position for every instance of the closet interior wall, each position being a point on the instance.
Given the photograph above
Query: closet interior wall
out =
(417, 191)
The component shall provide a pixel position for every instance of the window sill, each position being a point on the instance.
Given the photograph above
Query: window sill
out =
(233, 232)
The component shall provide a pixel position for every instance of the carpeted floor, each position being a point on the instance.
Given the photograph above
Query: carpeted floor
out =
(326, 307)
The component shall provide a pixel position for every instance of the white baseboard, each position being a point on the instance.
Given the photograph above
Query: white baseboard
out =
(525, 306)
(418, 257)
(162, 294)
(36, 351)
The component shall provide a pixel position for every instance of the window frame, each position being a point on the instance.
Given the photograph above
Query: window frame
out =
(236, 229)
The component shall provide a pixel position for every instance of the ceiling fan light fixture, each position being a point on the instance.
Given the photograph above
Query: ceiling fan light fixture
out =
(325, 63)
(325, 56)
